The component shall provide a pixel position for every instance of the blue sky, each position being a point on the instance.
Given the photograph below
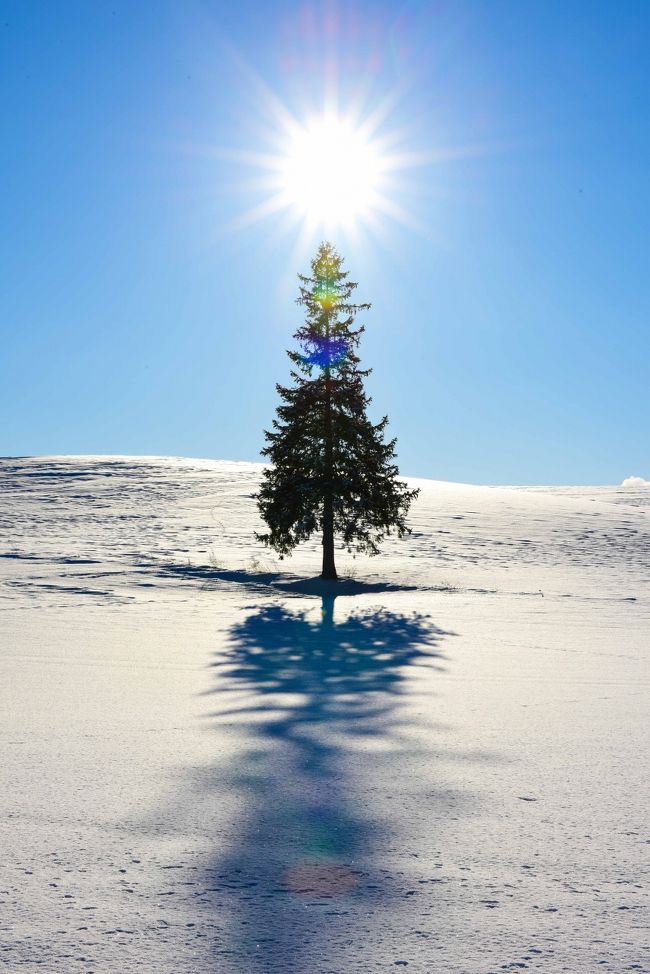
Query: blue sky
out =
(141, 313)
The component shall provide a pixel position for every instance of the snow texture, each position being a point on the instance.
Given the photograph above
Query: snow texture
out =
(213, 763)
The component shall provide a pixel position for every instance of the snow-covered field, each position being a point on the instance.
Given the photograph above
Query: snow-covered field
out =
(210, 765)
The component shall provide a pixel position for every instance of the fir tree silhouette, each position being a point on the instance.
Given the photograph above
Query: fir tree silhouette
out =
(331, 468)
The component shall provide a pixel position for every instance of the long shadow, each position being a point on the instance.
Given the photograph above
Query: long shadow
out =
(318, 702)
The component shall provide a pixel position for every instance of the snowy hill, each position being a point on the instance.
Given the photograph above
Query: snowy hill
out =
(210, 763)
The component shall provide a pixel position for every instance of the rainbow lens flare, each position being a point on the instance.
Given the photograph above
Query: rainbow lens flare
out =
(327, 296)
(325, 352)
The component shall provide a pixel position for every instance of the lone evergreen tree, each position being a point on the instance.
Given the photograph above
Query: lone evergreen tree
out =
(330, 467)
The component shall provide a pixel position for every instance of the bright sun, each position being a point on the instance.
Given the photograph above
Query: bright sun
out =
(331, 174)
(327, 173)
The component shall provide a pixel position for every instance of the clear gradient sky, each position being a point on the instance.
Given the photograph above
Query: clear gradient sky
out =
(143, 310)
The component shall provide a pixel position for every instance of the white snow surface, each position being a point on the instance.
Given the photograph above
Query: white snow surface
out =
(210, 763)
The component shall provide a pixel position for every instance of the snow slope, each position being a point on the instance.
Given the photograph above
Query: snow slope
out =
(210, 763)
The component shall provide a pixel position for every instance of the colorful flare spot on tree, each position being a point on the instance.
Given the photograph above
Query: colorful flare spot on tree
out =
(326, 352)
(327, 296)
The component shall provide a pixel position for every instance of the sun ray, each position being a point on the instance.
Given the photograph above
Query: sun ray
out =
(328, 173)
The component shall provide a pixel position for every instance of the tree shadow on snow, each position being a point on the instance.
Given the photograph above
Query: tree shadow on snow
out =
(259, 582)
(318, 702)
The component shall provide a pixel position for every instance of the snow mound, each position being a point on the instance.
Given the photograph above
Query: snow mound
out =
(437, 763)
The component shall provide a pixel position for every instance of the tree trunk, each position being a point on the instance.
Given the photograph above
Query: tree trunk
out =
(329, 568)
